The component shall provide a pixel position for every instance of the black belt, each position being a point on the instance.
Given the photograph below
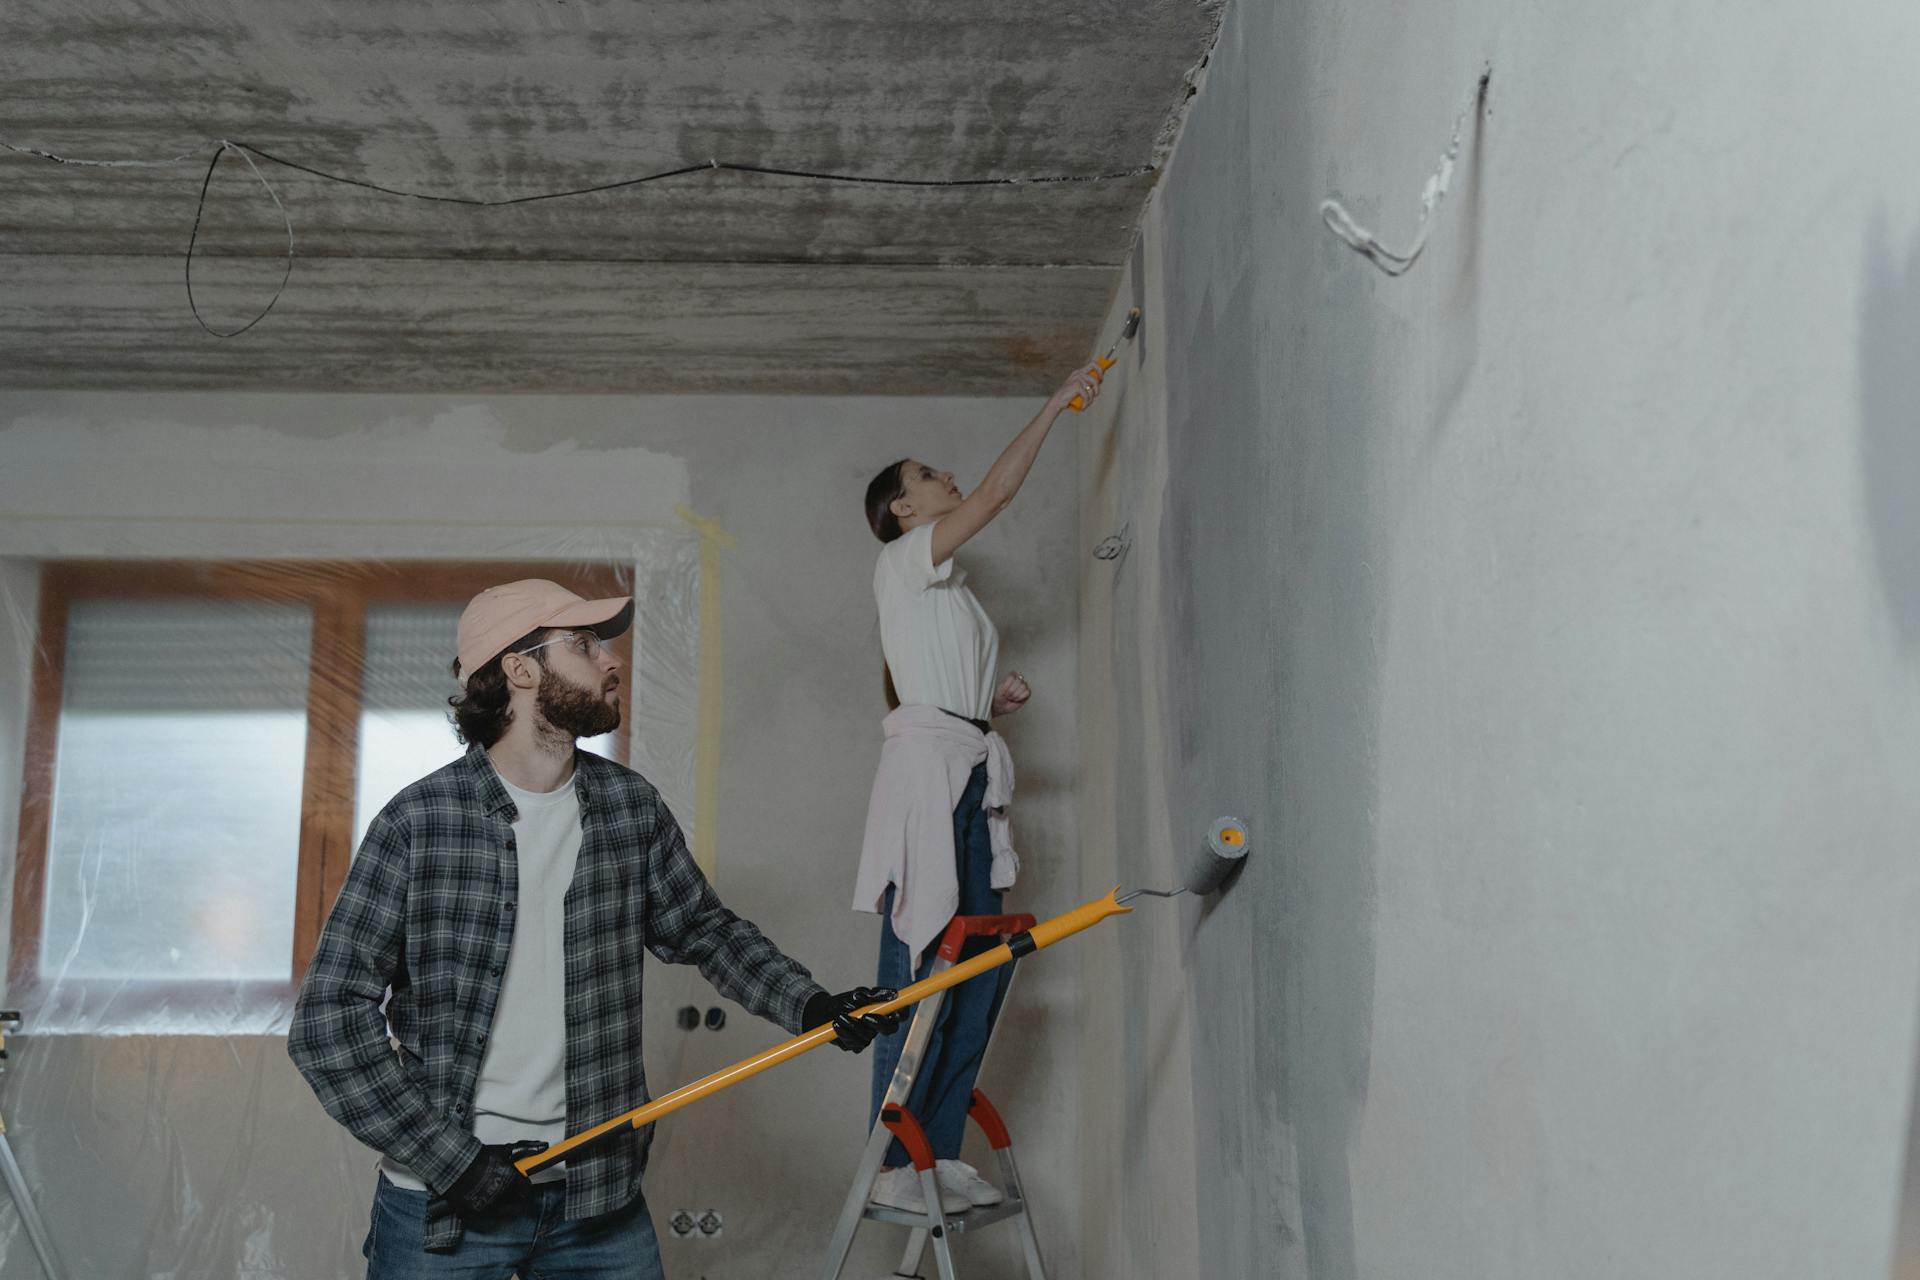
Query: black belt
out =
(981, 725)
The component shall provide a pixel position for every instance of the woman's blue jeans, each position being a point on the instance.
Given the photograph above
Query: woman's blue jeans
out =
(943, 1090)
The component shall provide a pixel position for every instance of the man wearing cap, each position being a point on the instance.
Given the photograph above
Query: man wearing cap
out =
(501, 908)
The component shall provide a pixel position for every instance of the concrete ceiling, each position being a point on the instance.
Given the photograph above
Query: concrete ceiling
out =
(712, 281)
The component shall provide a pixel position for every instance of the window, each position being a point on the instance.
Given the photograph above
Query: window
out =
(206, 745)
(172, 849)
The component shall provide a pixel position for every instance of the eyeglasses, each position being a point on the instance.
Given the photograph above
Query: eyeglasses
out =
(585, 643)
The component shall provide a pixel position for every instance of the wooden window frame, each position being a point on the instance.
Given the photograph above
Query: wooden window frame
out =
(340, 593)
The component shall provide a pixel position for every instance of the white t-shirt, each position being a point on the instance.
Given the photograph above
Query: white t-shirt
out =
(939, 643)
(522, 1089)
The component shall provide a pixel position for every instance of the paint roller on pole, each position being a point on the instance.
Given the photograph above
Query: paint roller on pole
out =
(1206, 871)
(1106, 362)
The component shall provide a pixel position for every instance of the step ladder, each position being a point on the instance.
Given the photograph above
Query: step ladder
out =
(896, 1121)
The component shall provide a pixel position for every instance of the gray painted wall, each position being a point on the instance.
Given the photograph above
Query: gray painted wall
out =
(1549, 612)
(162, 1131)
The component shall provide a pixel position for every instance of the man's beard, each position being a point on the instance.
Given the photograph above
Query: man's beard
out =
(571, 710)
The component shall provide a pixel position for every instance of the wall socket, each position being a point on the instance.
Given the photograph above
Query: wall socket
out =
(690, 1222)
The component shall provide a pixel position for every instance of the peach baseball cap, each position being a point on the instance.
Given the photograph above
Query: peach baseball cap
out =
(498, 616)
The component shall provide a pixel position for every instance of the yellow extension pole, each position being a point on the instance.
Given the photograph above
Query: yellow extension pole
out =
(1044, 934)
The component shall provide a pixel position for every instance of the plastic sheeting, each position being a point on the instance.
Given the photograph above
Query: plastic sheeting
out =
(202, 745)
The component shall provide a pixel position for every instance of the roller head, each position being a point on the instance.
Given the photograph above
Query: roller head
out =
(1225, 849)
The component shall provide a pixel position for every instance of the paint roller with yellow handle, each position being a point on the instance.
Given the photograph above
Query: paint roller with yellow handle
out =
(1106, 362)
(1226, 844)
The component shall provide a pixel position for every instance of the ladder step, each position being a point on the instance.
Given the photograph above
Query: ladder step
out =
(966, 1220)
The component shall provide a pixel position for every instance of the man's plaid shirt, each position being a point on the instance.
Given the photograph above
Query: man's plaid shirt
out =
(427, 909)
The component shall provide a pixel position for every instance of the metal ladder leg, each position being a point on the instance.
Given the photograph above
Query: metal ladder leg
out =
(983, 1113)
(856, 1204)
(919, 1032)
(938, 1227)
(916, 1249)
(24, 1205)
(942, 1245)
(1029, 1242)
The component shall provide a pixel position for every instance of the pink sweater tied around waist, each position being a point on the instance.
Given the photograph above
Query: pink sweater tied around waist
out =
(925, 764)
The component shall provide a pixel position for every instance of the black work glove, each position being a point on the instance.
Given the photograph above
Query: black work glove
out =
(851, 1033)
(492, 1183)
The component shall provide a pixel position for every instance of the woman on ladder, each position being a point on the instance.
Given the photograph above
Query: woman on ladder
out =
(936, 841)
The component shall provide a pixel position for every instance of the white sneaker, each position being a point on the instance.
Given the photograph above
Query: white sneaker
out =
(961, 1177)
(900, 1189)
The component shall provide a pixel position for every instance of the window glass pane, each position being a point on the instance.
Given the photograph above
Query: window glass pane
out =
(175, 841)
(405, 728)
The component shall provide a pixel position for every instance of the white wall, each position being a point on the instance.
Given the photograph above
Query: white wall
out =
(1551, 613)
(228, 475)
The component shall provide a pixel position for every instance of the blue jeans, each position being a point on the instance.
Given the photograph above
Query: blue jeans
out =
(943, 1090)
(530, 1240)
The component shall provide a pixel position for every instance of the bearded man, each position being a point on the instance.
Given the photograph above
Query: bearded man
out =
(475, 995)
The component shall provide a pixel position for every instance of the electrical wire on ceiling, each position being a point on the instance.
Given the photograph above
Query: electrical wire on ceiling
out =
(247, 152)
